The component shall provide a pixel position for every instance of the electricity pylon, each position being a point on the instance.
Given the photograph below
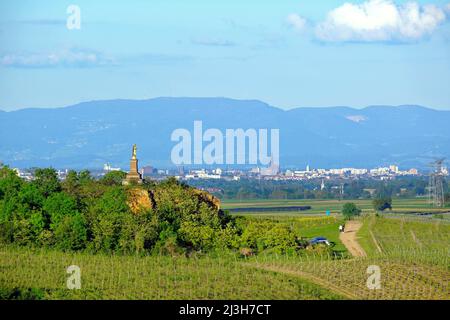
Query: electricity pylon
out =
(436, 185)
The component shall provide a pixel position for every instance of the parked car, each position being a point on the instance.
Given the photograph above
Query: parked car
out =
(319, 240)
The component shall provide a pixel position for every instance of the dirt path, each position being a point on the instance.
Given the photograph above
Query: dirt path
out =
(348, 238)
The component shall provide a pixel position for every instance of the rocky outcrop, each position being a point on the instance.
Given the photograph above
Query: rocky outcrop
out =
(139, 200)
(209, 198)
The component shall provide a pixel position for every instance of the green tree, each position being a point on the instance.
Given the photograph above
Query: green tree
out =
(350, 210)
(71, 232)
(47, 181)
(113, 178)
(381, 204)
(109, 213)
(58, 206)
(71, 184)
(262, 235)
(10, 186)
(30, 198)
(85, 177)
(138, 232)
(10, 183)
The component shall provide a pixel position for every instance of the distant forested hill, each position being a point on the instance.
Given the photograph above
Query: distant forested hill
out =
(89, 134)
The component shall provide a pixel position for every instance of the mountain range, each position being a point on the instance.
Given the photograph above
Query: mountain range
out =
(90, 134)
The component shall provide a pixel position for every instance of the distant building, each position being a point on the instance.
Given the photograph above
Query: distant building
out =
(272, 170)
(147, 170)
(107, 167)
(289, 173)
(393, 168)
(23, 174)
(370, 191)
(256, 170)
(203, 174)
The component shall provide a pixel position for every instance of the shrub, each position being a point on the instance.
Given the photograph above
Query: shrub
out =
(109, 215)
(46, 180)
(71, 233)
(382, 204)
(59, 205)
(113, 178)
(350, 210)
(262, 235)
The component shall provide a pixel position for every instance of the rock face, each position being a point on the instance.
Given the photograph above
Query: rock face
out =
(139, 199)
(209, 198)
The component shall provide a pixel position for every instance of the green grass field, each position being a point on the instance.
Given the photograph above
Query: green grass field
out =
(334, 206)
(413, 257)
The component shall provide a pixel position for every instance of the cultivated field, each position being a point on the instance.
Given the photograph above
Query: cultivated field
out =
(400, 206)
(412, 256)
(42, 274)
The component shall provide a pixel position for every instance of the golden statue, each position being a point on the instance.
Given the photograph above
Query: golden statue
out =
(133, 155)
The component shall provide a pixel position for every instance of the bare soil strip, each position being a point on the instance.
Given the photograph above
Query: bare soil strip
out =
(348, 238)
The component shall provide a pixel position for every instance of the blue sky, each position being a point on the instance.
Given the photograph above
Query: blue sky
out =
(287, 53)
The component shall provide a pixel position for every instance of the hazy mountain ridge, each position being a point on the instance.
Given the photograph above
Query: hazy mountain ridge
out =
(89, 134)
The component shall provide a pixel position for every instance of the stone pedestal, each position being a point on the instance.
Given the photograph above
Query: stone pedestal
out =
(133, 176)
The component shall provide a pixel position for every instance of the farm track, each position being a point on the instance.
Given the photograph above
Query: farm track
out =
(348, 238)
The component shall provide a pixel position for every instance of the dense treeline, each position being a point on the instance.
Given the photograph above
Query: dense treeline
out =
(405, 187)
(81, 213)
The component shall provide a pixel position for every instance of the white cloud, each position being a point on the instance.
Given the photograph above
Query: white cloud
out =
(295, 21)
(62, 58)
(380, 20)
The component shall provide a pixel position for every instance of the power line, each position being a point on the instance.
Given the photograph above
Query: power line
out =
(436, 185)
